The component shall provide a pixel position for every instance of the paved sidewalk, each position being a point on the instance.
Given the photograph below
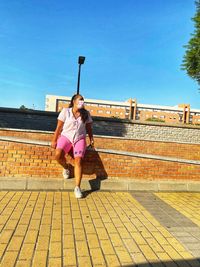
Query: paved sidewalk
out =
(54, 229)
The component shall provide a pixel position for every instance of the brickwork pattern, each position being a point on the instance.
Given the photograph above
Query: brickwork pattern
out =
(171, 149)
(22, 160)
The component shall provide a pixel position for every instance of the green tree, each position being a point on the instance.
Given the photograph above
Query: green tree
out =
(22, 107)
(191, 59)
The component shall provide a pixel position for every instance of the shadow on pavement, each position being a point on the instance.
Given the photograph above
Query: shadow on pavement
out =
(176, 263)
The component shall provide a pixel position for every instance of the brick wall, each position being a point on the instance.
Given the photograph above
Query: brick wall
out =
(25, 160)
(171, 149)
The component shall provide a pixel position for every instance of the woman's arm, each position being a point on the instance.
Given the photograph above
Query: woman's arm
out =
(90, 133)
(57, 133)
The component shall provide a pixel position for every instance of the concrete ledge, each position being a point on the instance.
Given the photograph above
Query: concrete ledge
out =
(173, 186)
(13, 184)
(110, 184)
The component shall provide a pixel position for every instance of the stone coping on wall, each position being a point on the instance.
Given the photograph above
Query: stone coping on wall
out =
(111, 184)
(108, 151)
(100, 136)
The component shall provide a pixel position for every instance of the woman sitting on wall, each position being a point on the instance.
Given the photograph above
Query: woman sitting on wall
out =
(73, 124)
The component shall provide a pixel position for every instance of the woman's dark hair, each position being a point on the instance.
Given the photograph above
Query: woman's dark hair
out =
(83, 111)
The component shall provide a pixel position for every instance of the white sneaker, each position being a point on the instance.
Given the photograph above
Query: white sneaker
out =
(77, 192)
(66, 173)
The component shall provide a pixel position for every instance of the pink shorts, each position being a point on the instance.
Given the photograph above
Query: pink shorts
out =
(78, 148)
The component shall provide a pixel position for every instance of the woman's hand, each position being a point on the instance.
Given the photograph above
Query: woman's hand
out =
(92, 142)
(53, 144)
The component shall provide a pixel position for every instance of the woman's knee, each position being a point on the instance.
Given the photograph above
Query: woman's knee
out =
(58, 155)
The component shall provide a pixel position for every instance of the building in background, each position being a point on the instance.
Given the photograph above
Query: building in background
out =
(130, 109)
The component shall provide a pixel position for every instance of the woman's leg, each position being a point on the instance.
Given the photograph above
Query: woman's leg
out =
(60, 157)
(78, 170)
(79, 151)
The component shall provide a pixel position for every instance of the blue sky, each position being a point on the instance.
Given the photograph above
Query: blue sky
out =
(133, 48)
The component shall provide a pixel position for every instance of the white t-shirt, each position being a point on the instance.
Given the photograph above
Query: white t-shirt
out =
(74, 129)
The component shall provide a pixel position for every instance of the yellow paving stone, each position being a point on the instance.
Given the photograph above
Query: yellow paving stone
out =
(15, 243)
(138, 238)
(28, 210)
(79, 234)
(44, 230)
(86, 219)
(112, 261)
(154, 245)
(66, 211)
(55, 249)
(97, 256)
(1, 227)
(117, 222)
(131, 245)
(23, 263)
(34, 225)
(82, 249)
(5, 236)
(40, 258)
(47, 219)
(85, 211)
(123, 255)
(69, 257)
(67, 219)
(176, 245)
(24, 219)
(77, 223)
(102, 210)
(55, 262)
(16, 214)
(95, 214)
(116, 240)
(26, 251)
(67, 229)
(76, 214)
(93, 241)
(98, 223)
(42, 242)
(89, 228)
(68, 241)
(31, 236)
(56, 236)
(107, 247)
(123, 232)
(37, 215)
(163, 256)
(148, 252)
(160, 238)
(186, 255)
(2, 248)
(110, 228)
(84, 262)
(139, 258)
(11, 224)
(56, 225)
(163, 231)
(21, 230)
(172, 252)
(106, 218)
(9, 259)
(3, 219)
(48, 213)
(102, 233)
